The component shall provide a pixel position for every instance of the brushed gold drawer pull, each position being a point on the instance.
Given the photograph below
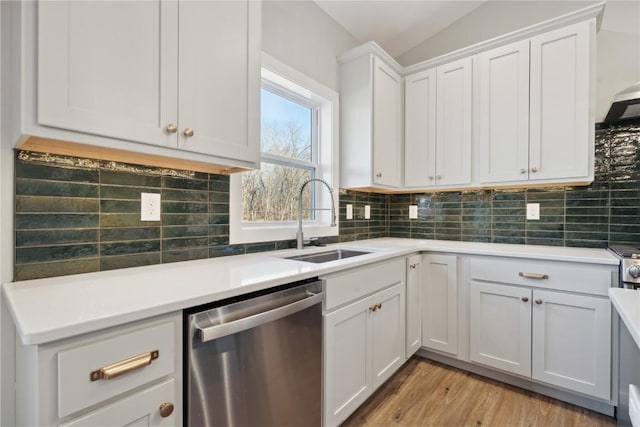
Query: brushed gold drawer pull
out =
(124, 366)
(539, 276)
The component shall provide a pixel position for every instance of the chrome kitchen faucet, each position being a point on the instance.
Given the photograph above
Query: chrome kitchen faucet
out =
(333, 208)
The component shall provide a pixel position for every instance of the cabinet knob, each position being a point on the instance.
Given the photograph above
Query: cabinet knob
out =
(379, 175)
(538, 301)
(523, 170)
(171, 128)
(525, 299)
(439, 177)
(413, 266)
(379, 305)
(534, 169)
(166, 409)
(188, 132)
(431, 178)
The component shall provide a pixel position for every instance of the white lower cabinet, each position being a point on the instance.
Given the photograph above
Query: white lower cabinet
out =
(414, 304)
(540, 327)
(571, 342)
(123, 376)
(440, 303)
(500, 327)
(346, 359)
(364, 340)
(140, 409)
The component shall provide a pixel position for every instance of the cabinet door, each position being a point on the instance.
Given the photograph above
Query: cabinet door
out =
(453, 128)
(420, 129)
(500, 327)
(387, 98)
(140, 409)
(387, 333)
(414, 304)
(109, 68)
(503, 146)
(219, 83)
(440, 303)
(347, 363)
(562, 133)
(572, 342)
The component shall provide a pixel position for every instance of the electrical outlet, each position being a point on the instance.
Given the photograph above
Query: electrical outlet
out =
(413, 211)
(349, 211)
(149, 207)
(533, 211)
(367, 212)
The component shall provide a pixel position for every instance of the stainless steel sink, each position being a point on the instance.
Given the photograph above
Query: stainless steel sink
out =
(327, 256)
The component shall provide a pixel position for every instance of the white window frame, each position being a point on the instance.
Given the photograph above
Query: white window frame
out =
(279, 77)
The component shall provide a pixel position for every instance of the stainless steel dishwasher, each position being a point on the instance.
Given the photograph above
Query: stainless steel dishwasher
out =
(256, 361)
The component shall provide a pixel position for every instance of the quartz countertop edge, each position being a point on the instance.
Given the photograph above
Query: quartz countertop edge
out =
(47, 310)
(627, 304)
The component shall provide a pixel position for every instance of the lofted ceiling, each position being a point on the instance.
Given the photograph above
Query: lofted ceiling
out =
(396, 26)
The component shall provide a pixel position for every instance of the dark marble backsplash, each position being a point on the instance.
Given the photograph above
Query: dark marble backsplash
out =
(78, 215)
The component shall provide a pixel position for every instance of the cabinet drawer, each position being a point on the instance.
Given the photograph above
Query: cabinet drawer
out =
(342, 288)
(77, 390)
(566, 276)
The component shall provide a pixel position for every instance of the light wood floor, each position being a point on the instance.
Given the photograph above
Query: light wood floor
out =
(426, 393)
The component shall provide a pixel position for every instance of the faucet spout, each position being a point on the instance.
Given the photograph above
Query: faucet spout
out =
(300, 241)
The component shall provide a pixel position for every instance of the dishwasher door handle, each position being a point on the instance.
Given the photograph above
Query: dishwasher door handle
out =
(217, 331)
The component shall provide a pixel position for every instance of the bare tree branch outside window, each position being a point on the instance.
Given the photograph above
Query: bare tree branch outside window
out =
(271, 193)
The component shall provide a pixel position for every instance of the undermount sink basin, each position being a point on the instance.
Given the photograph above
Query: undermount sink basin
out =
(327, 256)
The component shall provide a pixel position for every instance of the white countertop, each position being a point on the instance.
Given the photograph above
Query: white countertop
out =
(627, 303)
(45, 310)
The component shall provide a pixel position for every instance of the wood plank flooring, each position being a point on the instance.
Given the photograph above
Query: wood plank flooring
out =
(426, 393)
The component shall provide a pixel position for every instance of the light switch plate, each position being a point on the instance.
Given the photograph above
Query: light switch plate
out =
(533, 211)
(413, 211)
(367, 212)
(349, 211)
(149, 207)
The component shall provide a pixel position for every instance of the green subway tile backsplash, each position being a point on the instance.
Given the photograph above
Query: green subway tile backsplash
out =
(79, 215)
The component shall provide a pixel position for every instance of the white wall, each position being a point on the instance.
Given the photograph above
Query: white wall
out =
(303, 36)
(618, 42)
(618, 47)
(490, 20)
(7, 334)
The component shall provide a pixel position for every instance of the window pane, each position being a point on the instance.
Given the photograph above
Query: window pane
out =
(285, 127)
(271, 193)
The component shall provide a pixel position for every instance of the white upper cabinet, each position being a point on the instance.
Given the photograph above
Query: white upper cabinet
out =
(438, 126)
(371, 120)
(503, 117)
(453, 124)
(535, 117)
(171, 79)
(387, 122)
(562, 113)
(420, 129)
(109, 68)
(219, 91)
